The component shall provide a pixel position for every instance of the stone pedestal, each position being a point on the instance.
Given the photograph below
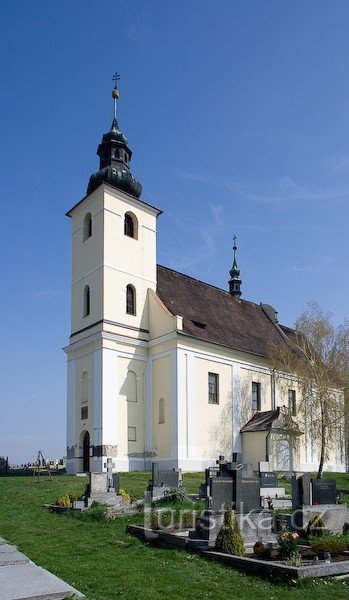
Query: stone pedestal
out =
(335, 516)
(254, 526)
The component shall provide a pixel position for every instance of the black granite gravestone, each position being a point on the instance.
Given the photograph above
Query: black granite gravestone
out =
(116, 482)
(246, 494)
(324, 491)
(221, 492)
(301, 491)
(268, 479)
(237, 458)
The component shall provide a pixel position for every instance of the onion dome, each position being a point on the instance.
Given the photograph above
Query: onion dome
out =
(114, 159)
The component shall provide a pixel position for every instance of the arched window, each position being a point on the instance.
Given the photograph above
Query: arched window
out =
(87, 301)
(130, 300)
(161, 411)
(87, 227)
(131, 226)
(131, 387)
(84, 396)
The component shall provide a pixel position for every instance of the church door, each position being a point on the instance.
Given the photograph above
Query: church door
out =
(282, 456)
(86, 452)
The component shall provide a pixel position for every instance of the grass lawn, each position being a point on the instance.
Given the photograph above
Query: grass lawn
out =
(103, 562)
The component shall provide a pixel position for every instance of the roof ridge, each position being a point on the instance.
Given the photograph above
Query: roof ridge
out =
(208, 284)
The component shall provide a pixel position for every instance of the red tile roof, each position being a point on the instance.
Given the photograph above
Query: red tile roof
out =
(215, 316)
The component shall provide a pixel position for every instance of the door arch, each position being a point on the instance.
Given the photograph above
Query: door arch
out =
(86, 452)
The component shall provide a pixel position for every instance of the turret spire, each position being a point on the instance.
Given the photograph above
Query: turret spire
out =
(235, 281)
(115, 157)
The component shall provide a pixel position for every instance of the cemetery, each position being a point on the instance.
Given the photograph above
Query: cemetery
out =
(311, 540)
(174, 519)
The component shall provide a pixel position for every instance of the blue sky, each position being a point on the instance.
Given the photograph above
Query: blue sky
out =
(237, 113)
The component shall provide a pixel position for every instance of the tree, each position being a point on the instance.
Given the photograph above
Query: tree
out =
(229, 539)
(316, 357)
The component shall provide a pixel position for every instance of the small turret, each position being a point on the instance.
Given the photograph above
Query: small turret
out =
(235, 281)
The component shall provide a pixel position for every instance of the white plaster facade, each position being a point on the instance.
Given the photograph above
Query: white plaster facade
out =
(144, 383)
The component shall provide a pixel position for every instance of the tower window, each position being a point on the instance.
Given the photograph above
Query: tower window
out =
(87, 227)
(131, 226)
(213, 391)
(87, 301)
(130, 300)
(256, 396)
(84, 413)
(161, 411)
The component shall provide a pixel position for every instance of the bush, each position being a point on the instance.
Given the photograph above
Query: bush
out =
(295, 559)
(229, 539)
(64, 501)
(261, 551)
(331, 544)
(124, 495)
(288, 542)
(316, 526)
(67, 499)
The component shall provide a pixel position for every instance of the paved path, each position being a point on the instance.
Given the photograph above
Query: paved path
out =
(21, 579)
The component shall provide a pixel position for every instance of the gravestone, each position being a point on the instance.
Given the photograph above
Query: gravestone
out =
(116, 482)
(171, 478)
(103, 488)
(162, 482)
(221, 492)
(237, 458)
(301, 491)
(234, 485)
(246, 493)
(324, 491)
(98, 483)
(268, 479)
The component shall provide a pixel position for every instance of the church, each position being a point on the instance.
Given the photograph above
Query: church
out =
(161, 366)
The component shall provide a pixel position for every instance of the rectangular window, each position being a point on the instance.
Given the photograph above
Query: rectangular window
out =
(292, 403)
(84, 412)
(213, 388)
(256, 396)
(132, 437)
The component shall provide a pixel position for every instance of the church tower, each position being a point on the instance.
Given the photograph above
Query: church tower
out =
(113, 267)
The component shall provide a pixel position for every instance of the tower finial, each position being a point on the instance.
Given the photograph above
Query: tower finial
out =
(115, 93)
(235, 281)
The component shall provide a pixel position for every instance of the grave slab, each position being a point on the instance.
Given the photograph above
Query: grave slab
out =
(11, 556)
(30, 582)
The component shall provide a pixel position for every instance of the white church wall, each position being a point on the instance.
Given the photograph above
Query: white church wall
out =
(213, 432)
(251, 374)
(128, 260)
(161, 322)
(161, 389)
(131, 405)
(87, 261)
